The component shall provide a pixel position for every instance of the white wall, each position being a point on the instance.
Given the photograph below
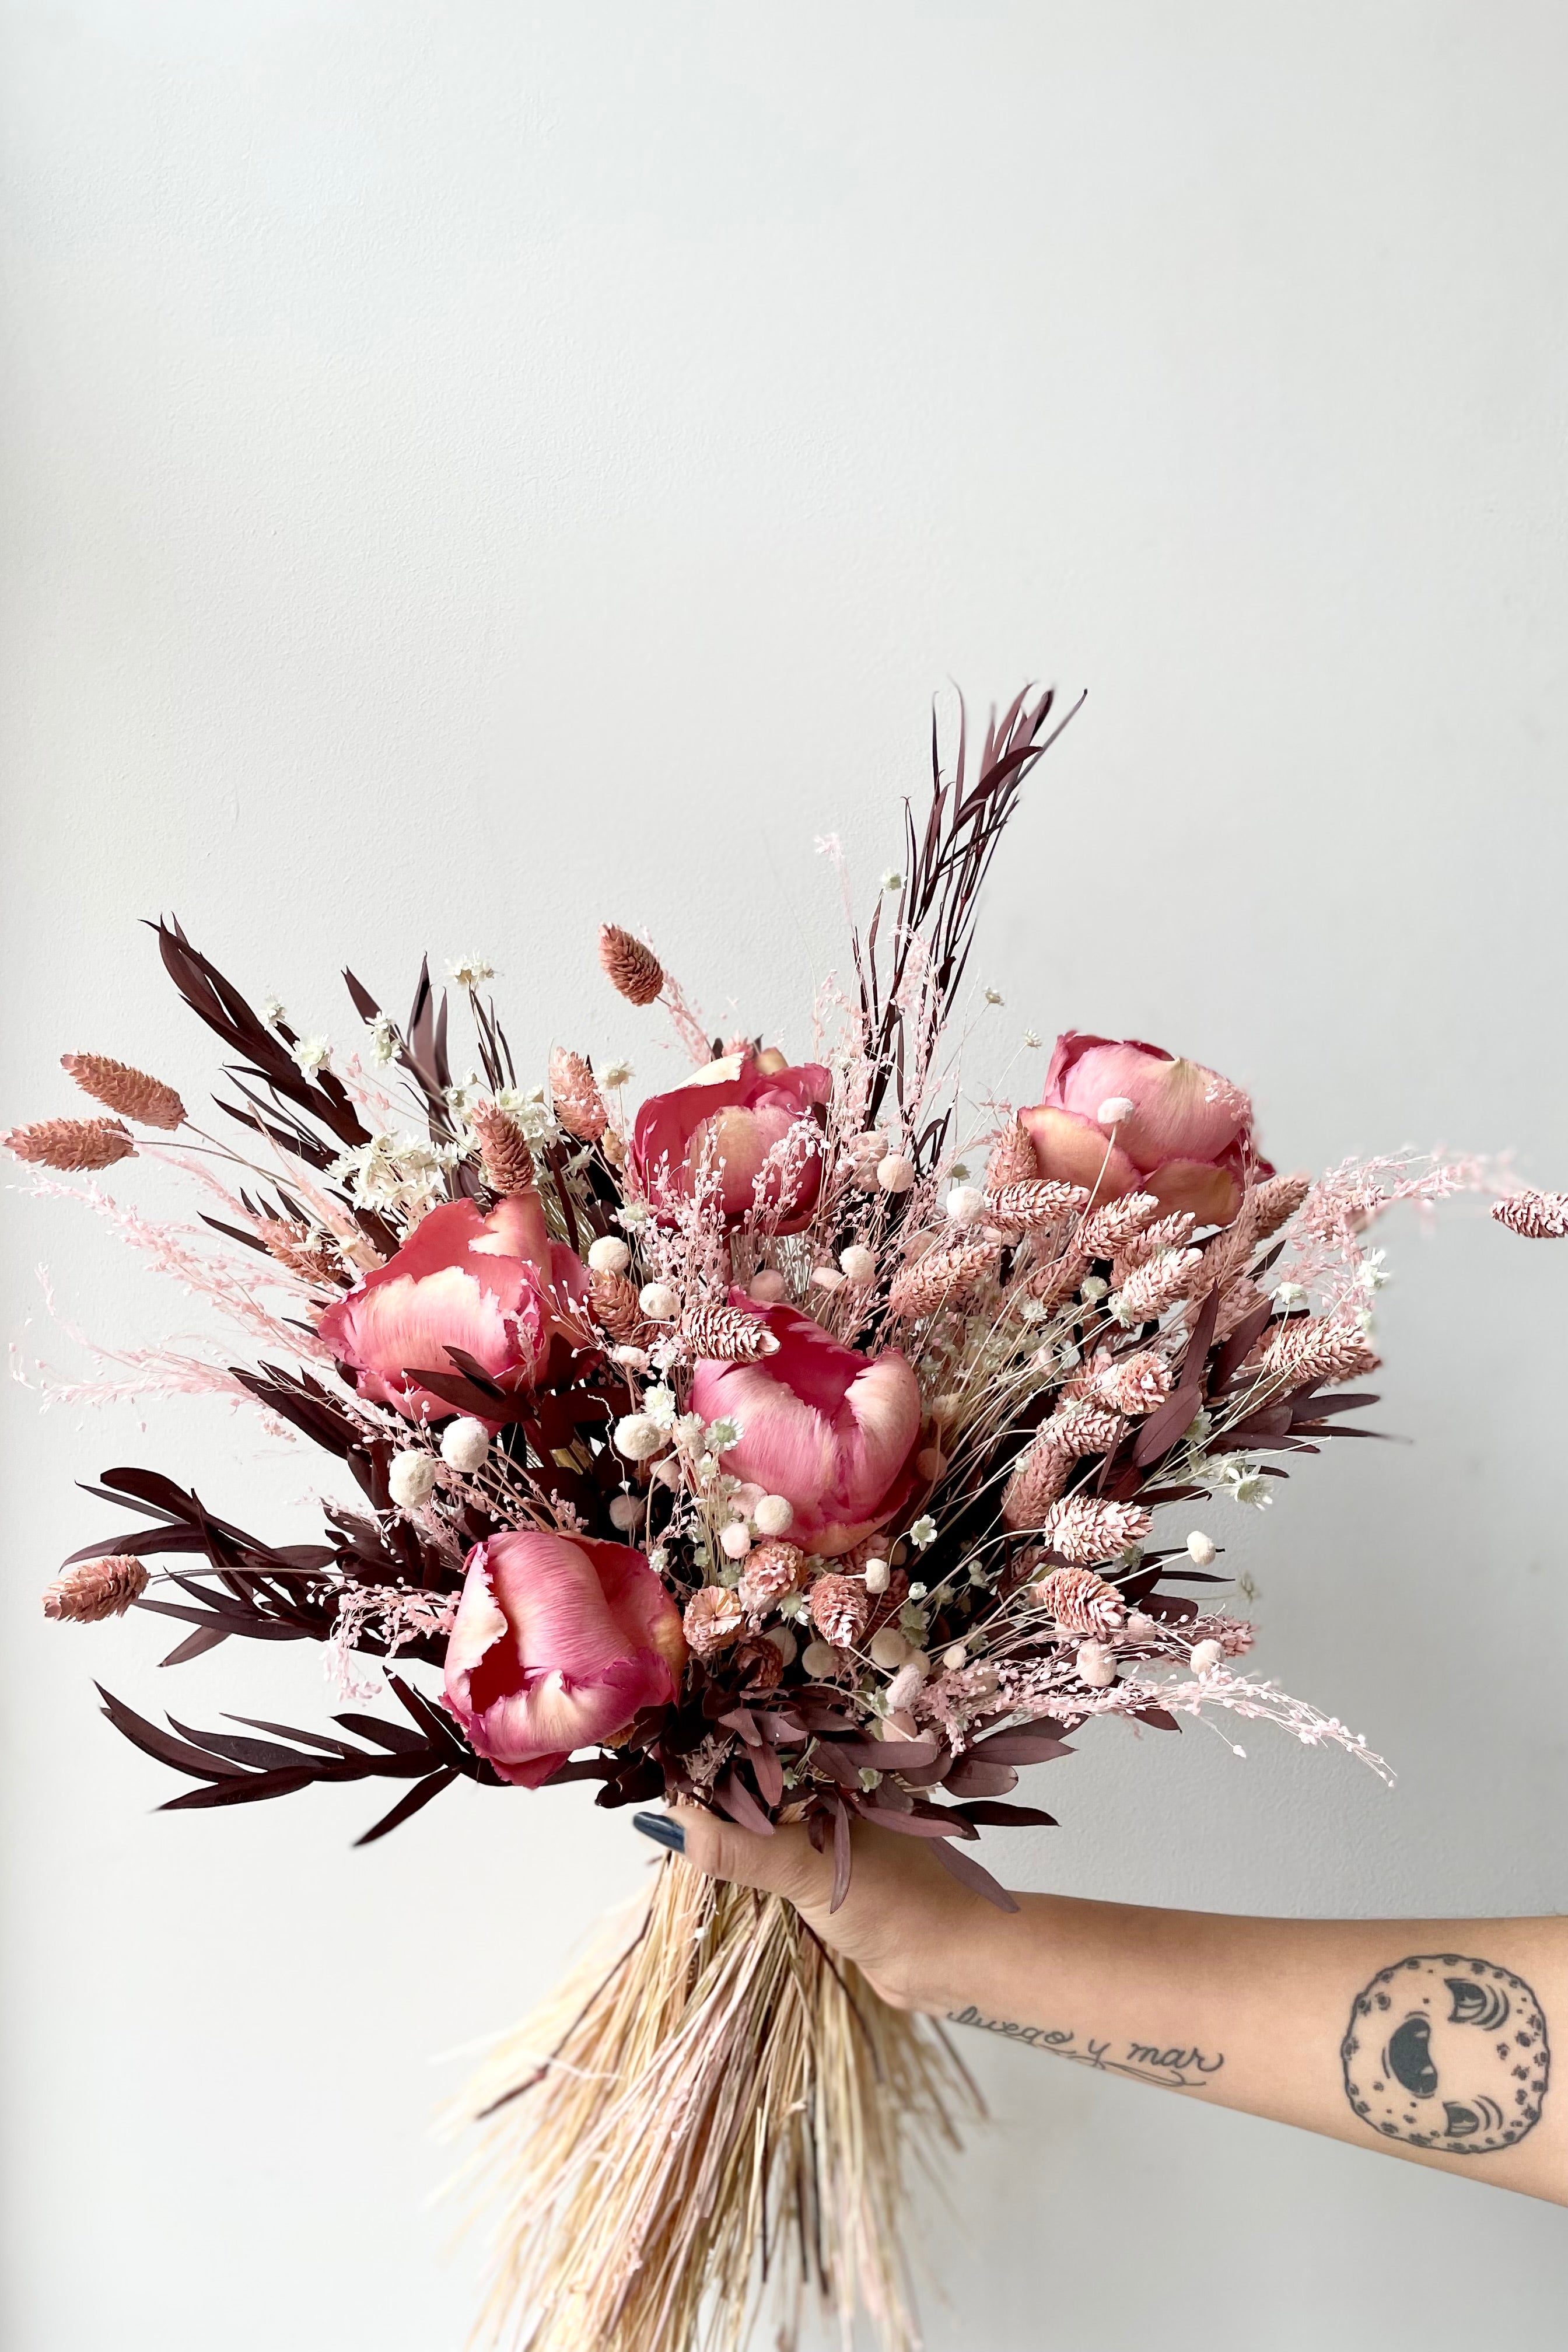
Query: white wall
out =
(478, 469)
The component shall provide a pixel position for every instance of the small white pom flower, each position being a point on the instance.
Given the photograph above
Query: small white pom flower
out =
(608, 1255)
(410, 1479)
(1095, 1665)
(889, 1648)
(1114, 1109)
(954, 1657)
(311, 1054)
(892, 879)
(857, 1262)
(826, 1278)
(1206, 1656)
(993, 996)
(878, 1575)
(1139, 1628)
(735, 1540)
(464, 1444)
(819, 1659)
(635, 1359)
(964, 1203)
(896, 1173)
(658, 1302)
(1201, 1548)
(765, 1289)
(774, 1516)
(923, 1532)
(908, 1683)
(1094, 1290)
(638, 1437)
(625, 1511)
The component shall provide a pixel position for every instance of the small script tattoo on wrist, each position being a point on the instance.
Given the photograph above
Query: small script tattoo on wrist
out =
(1447, 2052)
(1180, 2067)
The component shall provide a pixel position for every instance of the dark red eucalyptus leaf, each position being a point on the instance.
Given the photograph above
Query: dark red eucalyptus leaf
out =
(1308, 1405)
(233, 1233)
(741, 1720)
(884, 1755)
(973, 1777)
(162, 1745)
(474, 1372)
(1260, 1428)
(816, 1830)
(991, 1813)
(1160, 1431)
(843, 1856)
(395, 1735)
(464, 1397)
(1192, 1576)
(577, 1768)
(1170, 1608)
(194, 1645)
(1040, 1742)
(1239, 1346)
(731, 1796)
(970, 1874)
(830, 1756)
(1157, 1717)
(262, 1755)
(409, 1803)
(922, 1820)
(139, 1542)
(431, 1718)
(769, 1775)
(338, 1748)
(248, 1789)
(889, 1798)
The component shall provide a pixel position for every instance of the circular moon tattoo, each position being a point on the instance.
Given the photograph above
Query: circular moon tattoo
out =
(1447, 2052)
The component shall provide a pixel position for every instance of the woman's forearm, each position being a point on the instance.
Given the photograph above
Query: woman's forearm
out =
(1428, 2039)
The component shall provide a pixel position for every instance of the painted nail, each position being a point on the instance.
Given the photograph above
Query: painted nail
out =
(662, 1830)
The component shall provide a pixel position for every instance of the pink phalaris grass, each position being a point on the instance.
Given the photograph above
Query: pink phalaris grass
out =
(1315, 1347)
(130, 1092)
(1277, 1199)
(1157, 1286)
(940, 1277)
(617, 1307)
(505, 1156)
(839, 1607)
(1083, 1428)
(1080, 1601)
(579, 1104)
(1086, 1531)
(1039, 1475)
(630, 968)
(1021, 1207)
(1114, 1223)
(293, 1245)
(96, 1589)
(1012, 1159)
(1166, 1232)
(1134, 1384)
(767, 1573)
(725, 1335)
(1538, 1216)
(71, 1143)
(1050, 1285)
(712, 1620)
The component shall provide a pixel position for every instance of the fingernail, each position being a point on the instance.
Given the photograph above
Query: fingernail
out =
(662, 1829)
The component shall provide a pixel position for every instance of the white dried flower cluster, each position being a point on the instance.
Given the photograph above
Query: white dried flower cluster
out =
(311, 1055)
(470, 972)
(616, 1074)
(396, 1172)
(273, 1010)
(384, 1040)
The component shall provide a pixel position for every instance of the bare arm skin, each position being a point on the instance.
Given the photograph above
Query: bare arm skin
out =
(1425, 2038)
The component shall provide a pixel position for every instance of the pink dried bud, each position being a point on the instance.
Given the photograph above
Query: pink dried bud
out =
(1039, 1478)
(629, 966)
(579, 1104)
(1013, 1159)
(617, 1307)
(1134, 1384)
(839, 1609)
(1316, 1349)
(130, 1092)
(712, 1618)
(1050, 1285)
(940, 1278)
(505, 1156)
(71, 1143)
(1085, 1532)
(1021, 1208)
(293, 1245)
(96, 1589)
(772, 1569)
(1165, 1233)
(1278, 1198)
(725, 1335)
(1080, 1429)
(759, 1662)
(1081, 1601)
(1156, 1285)
(1113, 1224)
(1538, 1216)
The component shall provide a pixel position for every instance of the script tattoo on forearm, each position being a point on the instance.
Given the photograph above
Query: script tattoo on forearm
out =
(1447, 2052)
(1180, 2067)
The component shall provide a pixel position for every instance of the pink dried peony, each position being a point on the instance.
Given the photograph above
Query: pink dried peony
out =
(1187, 1139)
(728, 1121)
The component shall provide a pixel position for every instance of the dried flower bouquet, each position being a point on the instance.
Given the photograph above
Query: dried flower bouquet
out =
(748, 1451)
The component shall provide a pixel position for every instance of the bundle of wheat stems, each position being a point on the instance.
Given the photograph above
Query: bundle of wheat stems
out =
(721, 2111)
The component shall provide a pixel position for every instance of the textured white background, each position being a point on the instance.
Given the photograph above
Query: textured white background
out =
(474, 469)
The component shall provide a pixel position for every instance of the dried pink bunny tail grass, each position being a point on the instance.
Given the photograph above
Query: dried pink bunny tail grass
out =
(1080, 1601)
(131, 1092)
(1166, 1232)
(1050, 1285)
(71, 1143)
(505, 1156)
(1156, 1285)
(1114, 1223)
(1024, 1206)
(1537, 1216)
(1278, 1198)
(724, 1335)
(1084, 1531)
(839, 1606)
(1013, 1159)
(713, 1618)
(579, 1104)
(940, 1278)
(1315, 1347)
(96, 1589)
(617, 1307)
(292, 1246)
(1134, 1384)
(1039, 1475)
(768, 1573)
(629, 967)
(1083, 1428)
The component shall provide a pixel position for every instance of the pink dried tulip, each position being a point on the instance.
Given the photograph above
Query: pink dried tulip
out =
(1315, 1349)
(1050, 1285)
(130, 1092)
(1537, 1216)
(1086, 1531)
(771, 1570)
(1039, 1475)
(1134, 1384)
(1156, 1285)
(1278, 1198)
(1165, 1233)
(940, 1278)
(629, 967)
(713, 1619)
(72, 1144)
(1084, 1428)
(1114, 1223)
(617, 1307)
(579, 1104)
(1080, 1601)
(839, 1606)
(506, 1158)
(96, 1589)
(725, 1335)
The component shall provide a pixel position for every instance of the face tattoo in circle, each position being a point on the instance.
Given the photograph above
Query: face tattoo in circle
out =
(1447, 2052)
